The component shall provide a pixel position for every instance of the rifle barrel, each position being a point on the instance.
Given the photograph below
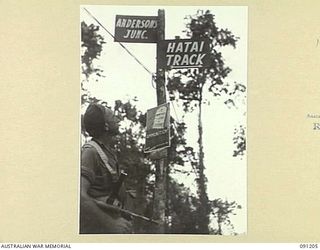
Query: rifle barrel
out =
(118, 209)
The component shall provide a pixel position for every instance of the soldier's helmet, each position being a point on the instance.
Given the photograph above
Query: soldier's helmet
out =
(94, 120)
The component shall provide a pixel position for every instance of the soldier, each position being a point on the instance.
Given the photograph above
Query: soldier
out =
(99, 174)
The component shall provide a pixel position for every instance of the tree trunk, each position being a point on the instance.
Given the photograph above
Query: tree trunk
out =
(203, 210)
(219, 229)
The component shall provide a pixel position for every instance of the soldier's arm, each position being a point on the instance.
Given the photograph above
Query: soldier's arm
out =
(92, 218)
(95, 220)
(84, 187)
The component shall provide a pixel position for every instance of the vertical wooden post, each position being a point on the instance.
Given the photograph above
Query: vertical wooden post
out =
(160, 80)
(161, 164)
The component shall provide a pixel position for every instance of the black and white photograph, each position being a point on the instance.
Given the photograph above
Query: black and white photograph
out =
(163, 107)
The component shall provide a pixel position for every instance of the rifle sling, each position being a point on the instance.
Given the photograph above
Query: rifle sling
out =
(104, 158)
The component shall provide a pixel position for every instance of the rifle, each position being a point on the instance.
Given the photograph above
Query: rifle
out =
(112, 199)
(112, 203)
(125, 212)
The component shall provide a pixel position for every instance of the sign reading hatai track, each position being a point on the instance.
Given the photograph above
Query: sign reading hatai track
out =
(158, 128)
(136, 29)
(184, 53)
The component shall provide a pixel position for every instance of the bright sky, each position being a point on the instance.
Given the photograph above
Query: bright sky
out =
(125, 79)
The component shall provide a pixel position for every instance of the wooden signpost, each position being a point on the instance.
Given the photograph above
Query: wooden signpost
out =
(171, 54)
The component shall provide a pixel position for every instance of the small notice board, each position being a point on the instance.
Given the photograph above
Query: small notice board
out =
(158, 128)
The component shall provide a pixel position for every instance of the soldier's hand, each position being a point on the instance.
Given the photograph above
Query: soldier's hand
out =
(122, 226)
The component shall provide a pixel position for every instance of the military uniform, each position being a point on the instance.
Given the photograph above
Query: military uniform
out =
(101, 179)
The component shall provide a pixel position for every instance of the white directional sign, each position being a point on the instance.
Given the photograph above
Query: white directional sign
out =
(184, 53)
(136, 29)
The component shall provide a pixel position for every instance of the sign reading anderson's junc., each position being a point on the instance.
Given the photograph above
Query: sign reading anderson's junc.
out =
(136, 29)
(184, 53)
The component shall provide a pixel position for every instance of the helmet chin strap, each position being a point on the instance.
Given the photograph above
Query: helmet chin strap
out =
(106, 126)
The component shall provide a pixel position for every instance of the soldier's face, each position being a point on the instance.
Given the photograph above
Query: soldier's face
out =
(112, 122)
